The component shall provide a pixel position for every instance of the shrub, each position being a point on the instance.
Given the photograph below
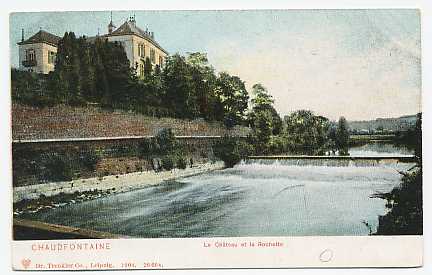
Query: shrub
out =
(168, 162)
(181, 163)
(58, 168)
(277, 145)
(147, 148)
(166, 141)
(405, 216)
(231, 150)
(89, 159)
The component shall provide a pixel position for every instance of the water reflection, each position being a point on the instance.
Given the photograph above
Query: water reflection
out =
(379, 149)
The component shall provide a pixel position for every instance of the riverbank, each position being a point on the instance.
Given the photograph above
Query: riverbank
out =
(33, 198)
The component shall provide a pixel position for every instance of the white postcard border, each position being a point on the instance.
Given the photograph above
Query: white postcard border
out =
(409, 243)
(242, 252)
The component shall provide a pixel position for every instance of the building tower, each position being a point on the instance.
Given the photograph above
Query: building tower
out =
(111, 26)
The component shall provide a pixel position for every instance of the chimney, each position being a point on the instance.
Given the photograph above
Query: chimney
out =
(132, 20)
(152, 35)
(22, 35)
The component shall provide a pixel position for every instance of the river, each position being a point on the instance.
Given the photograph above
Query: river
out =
(255, 198)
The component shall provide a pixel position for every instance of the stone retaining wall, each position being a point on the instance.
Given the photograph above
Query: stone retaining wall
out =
(117, 157)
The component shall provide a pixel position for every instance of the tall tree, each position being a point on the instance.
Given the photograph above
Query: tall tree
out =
(147, 67)
(342, 136)
(262, 101)
(204, 81)
(87, 70)
(233, 96)
(180, 93)
(68, 68)
(305, 132)
(117, 72)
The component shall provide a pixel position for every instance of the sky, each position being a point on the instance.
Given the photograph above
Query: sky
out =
(360, 64)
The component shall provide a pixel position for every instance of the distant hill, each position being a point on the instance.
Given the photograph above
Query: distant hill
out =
(386, 125)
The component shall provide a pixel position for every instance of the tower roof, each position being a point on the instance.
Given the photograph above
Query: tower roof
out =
(42, 37)
(129, 27)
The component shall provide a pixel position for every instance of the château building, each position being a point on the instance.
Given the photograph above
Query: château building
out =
(38, 53)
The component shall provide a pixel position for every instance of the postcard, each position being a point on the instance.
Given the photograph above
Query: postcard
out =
(216, 139)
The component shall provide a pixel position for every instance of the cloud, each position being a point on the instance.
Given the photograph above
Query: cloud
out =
(328, 72)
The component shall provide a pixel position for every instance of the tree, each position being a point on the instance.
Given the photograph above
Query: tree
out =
(262, 127)
(405, 202)
(118, 73)
(32, 89)
(99, 72)
(67, 67)
(180, 94)
(306, 133)
(342, 136)
(262, 101)
(166, 141)
(147, 67)
(204, 83)
(234, 98)
(87, 70)
(231, 150)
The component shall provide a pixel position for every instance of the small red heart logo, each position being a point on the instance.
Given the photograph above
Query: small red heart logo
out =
(26, 263)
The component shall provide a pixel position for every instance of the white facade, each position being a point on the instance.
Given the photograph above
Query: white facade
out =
(36, 55)
(41, 55)
(138, 49)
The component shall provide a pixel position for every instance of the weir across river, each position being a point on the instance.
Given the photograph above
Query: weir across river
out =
(402, 158)
(359, 161)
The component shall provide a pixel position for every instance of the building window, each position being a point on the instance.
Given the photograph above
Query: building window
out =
(51, 57)
(160, 61)
(30, 55)
(141, 50)
(152, 56)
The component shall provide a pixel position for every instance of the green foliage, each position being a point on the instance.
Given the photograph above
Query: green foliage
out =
(203, 80)
(181, 162)
(89, 159)
(147, 67)
(100, 72)
(232, 150)
(405, 202)
(57, 168)
(412, 138)
(405, 216)
(147, 148)
(264, 121)
(168, 162)
(32, 89)
(166, 141)
(277, 144)
(305, 132)
(262, 101)
(342, 136)
(164, 144)
(262, 128)
(180, 95)
(233, 97)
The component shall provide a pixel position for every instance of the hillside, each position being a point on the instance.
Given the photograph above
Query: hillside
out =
(385, 124)
(86, 122)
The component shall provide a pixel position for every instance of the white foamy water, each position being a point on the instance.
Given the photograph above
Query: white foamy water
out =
(255, 198)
